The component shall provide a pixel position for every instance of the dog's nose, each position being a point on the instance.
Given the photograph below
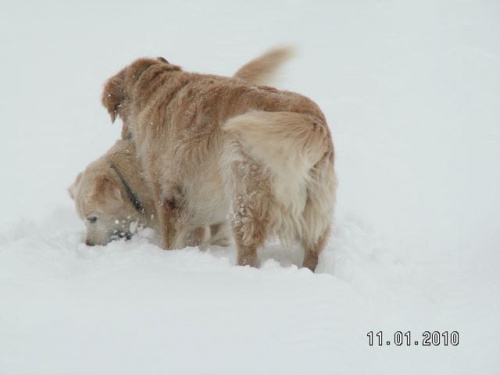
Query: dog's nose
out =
(89, 243)
(118, 235)
(125, 235)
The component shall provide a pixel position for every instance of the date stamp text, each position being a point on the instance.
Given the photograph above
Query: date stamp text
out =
(426, 338)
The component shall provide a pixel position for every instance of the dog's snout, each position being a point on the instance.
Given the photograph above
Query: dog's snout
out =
(89, 243)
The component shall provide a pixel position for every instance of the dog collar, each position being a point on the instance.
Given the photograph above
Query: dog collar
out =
(131, 196)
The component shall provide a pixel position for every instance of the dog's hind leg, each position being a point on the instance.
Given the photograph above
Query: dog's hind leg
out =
(250, 210)
(313, 249)
(249, 231)
(247, 253)
(318, 212)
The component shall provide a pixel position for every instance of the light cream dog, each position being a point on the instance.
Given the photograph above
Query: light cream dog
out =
(211, 146)
(113, 199)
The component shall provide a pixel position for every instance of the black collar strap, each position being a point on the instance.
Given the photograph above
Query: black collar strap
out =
(133, 198)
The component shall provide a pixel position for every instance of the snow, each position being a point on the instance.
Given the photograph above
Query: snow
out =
(411, 90)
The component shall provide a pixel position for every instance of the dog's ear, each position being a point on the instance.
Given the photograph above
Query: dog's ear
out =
(72, 187)
(71, 191)
(117, 87)
(114, 94)
(109, 190)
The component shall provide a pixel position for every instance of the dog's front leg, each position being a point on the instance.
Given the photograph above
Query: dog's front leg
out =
(169, 219)
(169, 209)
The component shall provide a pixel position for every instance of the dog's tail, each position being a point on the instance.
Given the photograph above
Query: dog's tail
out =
(284, 141)
(262, 69)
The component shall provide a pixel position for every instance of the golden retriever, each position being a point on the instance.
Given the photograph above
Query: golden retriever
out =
(212, 147)
(113, 199)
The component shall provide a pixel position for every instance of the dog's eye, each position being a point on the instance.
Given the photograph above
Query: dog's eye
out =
(92, 219)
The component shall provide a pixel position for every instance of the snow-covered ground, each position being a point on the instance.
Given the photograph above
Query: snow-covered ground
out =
(412, 93)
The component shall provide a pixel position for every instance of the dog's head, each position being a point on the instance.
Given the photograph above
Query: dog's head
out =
(131, 85)
(102, 203)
